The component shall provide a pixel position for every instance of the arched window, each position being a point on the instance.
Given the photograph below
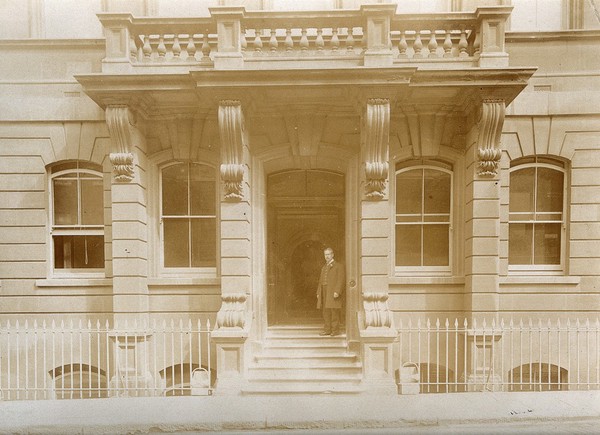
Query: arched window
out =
(423, 217)
(77, 218)
(79, 381)
(536, 214)
(188, 216)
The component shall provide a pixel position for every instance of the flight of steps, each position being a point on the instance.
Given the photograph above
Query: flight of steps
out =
(296, 360)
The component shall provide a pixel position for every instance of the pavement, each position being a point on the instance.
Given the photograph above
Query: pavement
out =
(281, 413)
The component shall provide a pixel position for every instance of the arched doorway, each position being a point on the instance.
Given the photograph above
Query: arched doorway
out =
(305, 214)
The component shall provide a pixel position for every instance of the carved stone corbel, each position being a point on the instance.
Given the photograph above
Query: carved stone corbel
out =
(119, 127)
(377, 312)
(377, 143)
(233, 140)
(488, 143)
(233, 311)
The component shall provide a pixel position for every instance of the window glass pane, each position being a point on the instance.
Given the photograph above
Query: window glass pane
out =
(549, 190)
(547, 244)
(204, 242)
(408, 245)
(522, 190)
(176, 243)
(92, 211)
(175, 190)
(408, 191)
(202, 190)
(520, 237)
(78, 252)
(437, 191)
(435, 245)
(65, 202)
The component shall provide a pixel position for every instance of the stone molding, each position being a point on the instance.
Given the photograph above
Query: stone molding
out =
(489, 151)
(424, 130)
(377, 144)
(118, 120)
(233, 139)
(377, 311)
(233, 311)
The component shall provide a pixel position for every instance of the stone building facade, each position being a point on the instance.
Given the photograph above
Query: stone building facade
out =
(196, 167)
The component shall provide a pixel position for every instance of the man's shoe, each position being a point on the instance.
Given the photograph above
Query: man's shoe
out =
(324, 333)
(333, 334)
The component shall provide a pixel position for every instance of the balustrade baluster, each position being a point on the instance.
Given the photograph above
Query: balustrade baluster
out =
(304, 42)
(191, 49)
(243, 40)
(147, 48)
(205, 50)
(447, 44)
(463, 44)
(319, 41)
(133, 49)
(161, 49)
(433, 45)
(289, 42)
(477, 45)
(176, 48)
(258, 44)
(418, 45)
(402, 45)
(335, 41)
(273, 44)
(350, 41)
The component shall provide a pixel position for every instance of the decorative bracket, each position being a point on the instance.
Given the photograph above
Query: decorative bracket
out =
(490, 130)
(377, 312)
(377, 144)
(119, 128)
(233, 140)
(233, 311)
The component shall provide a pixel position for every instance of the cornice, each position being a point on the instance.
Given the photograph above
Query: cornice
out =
(54, 43)
(554, 35)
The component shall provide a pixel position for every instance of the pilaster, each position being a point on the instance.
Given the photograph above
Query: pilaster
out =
(482, 213)
(129, 215)
(377, 331)
(233, 317)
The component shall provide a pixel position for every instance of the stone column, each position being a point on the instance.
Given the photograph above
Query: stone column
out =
(482, 217)
(233, 321)
(377, 332)
(129, 243)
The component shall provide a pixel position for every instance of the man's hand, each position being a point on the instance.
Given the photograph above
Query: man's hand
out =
(335, 295)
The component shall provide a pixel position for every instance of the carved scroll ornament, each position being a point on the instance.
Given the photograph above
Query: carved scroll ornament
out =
(490, 130)
(377, 147)
(233, 311)
(377, 312)
(119, 128)
(233, 139)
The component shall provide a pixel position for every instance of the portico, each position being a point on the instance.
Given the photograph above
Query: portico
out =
(305, 133)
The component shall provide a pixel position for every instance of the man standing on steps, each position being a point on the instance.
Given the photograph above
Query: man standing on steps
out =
(329, 293)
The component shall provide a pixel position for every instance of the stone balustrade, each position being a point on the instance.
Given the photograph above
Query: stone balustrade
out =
(373, 35)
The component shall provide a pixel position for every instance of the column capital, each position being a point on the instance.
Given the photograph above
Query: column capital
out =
(376, 145)
(120, 121)
(489, 150)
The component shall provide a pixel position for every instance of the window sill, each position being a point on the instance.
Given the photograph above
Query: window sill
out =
(427, 280)
(74, 282)
(183, 281)
(540, 279)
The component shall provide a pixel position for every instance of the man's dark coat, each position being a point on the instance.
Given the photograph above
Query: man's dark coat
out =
(336, 283)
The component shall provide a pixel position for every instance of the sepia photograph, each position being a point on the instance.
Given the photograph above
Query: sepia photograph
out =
(300, 216)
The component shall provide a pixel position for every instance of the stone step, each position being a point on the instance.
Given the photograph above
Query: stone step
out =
(300, 388)
(308, 376)
(326, 359)
(291, 331)
(306, 341)
(302, 350)
(314, 371)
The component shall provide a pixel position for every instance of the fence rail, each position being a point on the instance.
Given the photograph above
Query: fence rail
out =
(70, 360)
(458, 356)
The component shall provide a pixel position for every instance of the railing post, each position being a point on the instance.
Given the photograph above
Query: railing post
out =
(377, 31)
(229, 34)
(118, 39)
(492, 29)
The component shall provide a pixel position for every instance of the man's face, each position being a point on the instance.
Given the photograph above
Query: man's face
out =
(328, 255)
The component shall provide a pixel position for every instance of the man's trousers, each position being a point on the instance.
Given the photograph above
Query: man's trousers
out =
(332, 320)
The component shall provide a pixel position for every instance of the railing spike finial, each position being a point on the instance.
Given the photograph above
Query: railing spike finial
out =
(447, 323)
(568, 323)
(208, 324)
(484, 322)
(44, 324)
(466, 323)
(26, 323)
(53, 324)
(89, 324)
(493, 323)
(474, 323)
(62, 324)
(587, 322)
(437, 322)
(17, 324)
(521, 322)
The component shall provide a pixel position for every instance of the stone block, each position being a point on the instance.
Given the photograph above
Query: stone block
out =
(375, 265)
(130, 267)
(18, 200)
(374, 283)
(375, 247)
(124, 250)
(482, 246)
(375, 209)
(585, 213)
(235, 266)
(235, 248)
(482, 265)
(372, 228)
(129, 212)
(235, 230)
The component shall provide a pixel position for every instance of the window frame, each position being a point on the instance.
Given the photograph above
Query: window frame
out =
(425, 270)
(550, 269)
(71, 230)
(186, 271)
